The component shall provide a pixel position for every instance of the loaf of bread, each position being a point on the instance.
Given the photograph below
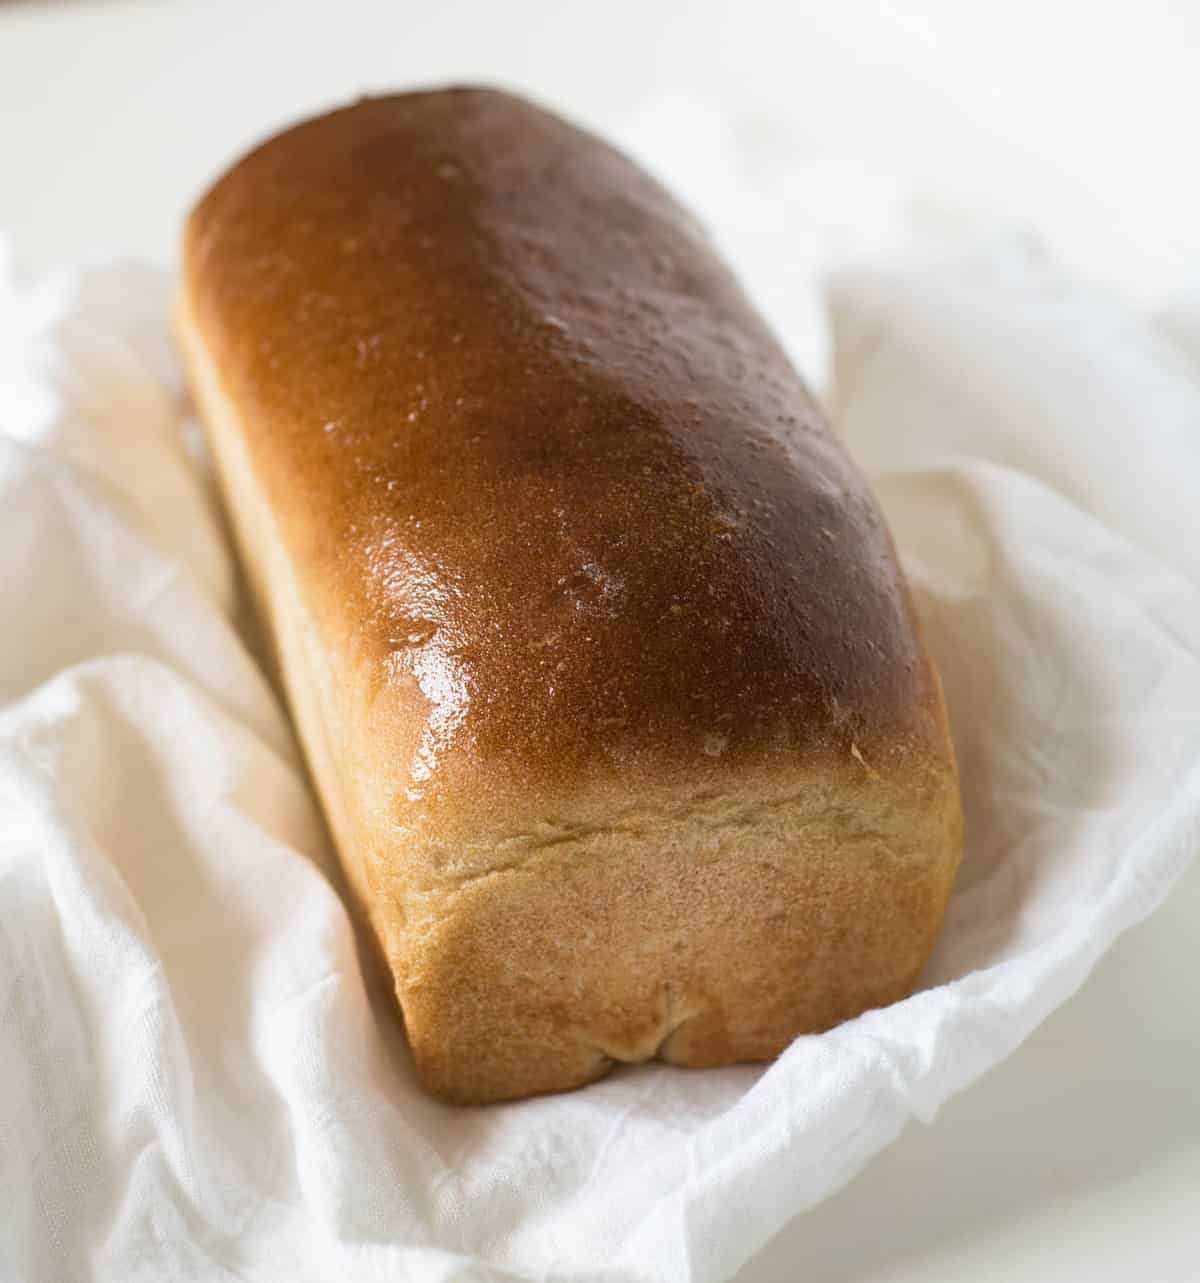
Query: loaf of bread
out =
(595, 639)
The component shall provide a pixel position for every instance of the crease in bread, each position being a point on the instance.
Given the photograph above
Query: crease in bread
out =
(594, 638)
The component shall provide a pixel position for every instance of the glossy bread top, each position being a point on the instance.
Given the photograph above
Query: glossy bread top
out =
(553, 484)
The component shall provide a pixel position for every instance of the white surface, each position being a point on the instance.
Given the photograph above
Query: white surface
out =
(113, 113)
(1077, 115)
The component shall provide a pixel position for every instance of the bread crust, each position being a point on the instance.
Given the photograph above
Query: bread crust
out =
(595, 638)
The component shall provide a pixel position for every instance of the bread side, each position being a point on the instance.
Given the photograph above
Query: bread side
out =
(697, 930)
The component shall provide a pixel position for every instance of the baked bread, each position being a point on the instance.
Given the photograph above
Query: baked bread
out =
(594, 637)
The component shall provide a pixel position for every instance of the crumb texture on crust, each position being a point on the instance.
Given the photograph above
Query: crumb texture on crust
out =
(595, 639)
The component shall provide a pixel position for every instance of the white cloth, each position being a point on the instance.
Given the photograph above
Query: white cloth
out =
(196, 1083)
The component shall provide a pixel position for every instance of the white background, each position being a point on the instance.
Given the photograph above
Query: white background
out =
(1078, 1159)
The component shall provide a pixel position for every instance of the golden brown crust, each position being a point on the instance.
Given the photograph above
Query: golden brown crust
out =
(574, 544)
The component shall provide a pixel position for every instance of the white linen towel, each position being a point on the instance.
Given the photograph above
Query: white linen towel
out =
(195, 1081)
